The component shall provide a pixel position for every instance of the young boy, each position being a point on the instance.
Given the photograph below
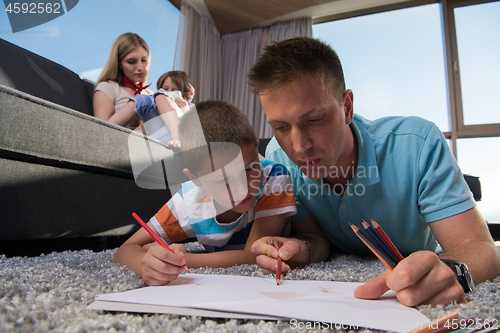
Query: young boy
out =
(231, 201)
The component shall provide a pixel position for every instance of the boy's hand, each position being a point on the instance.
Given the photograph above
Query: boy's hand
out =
(267, 252)
(160, 266)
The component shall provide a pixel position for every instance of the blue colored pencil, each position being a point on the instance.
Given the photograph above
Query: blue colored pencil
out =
(379, 241)
(374, 248)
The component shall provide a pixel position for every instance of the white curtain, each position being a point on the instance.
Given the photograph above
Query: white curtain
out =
(218, 65)
(198, 53)
(240, 50)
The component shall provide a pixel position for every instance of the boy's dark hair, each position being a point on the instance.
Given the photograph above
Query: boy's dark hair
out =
(181, 80)
(222, 124)
(285, 61)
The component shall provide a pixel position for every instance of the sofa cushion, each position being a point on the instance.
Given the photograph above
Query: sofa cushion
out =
(67, 174)
(39, 129)
(28, 72)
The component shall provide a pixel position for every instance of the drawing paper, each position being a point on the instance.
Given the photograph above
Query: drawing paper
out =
(318, 301)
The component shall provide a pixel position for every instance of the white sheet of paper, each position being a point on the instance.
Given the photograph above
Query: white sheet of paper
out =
(318, 301)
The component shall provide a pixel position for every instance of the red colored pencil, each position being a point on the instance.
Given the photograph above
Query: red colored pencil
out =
(278, 267)
(388, 262)
(387, 240)
(155, 236)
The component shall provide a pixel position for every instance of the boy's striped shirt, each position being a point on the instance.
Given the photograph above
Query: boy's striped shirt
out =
(190, 212)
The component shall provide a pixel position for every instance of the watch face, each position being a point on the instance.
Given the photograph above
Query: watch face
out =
(462, 274)
(468, 283)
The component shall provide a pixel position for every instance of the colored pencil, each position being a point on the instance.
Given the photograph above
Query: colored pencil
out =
(155, 236)
(435, 324)
(278, 267)
(388, 262)
(387, 240)
(376, 237)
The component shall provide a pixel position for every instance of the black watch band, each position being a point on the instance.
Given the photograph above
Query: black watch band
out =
(461, 273)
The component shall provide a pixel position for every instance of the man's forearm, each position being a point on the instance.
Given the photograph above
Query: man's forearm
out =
(482, 258)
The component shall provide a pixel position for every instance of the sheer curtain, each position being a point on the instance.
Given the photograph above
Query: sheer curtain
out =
(218, 65)
(240, 50)
(198, 53)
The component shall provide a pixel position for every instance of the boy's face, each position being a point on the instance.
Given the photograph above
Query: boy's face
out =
(236, 180)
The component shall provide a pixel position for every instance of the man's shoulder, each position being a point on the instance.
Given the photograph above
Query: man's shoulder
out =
(396, 125)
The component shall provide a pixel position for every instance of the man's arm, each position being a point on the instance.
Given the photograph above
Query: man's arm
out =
(465, 237)
(308, 245)
(422, 278)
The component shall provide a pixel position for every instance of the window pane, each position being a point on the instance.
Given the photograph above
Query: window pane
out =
(478, 33)
(476, 158)
(81, 38)
(393, 62)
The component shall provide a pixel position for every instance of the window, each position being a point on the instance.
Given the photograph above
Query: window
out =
(478, 33)
(398, 63)
(393, 62)
(479, 157)
(81, 38)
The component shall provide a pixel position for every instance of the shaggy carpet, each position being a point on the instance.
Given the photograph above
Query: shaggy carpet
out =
(51, 292)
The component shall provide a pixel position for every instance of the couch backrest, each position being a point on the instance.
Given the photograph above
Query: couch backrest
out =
(30, 73)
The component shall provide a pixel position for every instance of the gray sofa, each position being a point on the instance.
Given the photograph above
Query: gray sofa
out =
(63, 173)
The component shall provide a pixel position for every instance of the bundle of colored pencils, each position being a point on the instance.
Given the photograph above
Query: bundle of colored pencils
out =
(379, 243)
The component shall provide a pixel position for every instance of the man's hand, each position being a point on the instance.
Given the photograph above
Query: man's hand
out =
(421, 278)
(160, 266)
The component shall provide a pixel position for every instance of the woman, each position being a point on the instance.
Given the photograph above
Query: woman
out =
(123, 77)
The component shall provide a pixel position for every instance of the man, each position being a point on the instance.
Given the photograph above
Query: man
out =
(398, 171)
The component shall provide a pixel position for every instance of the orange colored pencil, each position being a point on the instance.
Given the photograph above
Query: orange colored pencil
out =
(278, 267)
(387, 240)
(388, 262)
(155, 236)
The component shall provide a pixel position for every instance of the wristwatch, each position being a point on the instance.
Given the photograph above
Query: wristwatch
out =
(461, 273)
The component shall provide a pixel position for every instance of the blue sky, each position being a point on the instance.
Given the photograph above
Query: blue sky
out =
(81, 39)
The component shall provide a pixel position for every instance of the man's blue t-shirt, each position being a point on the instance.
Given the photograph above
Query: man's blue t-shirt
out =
(406, 177)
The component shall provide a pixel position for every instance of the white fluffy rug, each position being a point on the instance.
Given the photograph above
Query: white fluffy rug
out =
(50, 293)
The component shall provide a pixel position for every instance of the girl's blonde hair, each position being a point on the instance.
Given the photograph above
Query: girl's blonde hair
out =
(122, 46)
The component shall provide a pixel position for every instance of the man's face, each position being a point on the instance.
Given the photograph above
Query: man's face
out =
(310, 124)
